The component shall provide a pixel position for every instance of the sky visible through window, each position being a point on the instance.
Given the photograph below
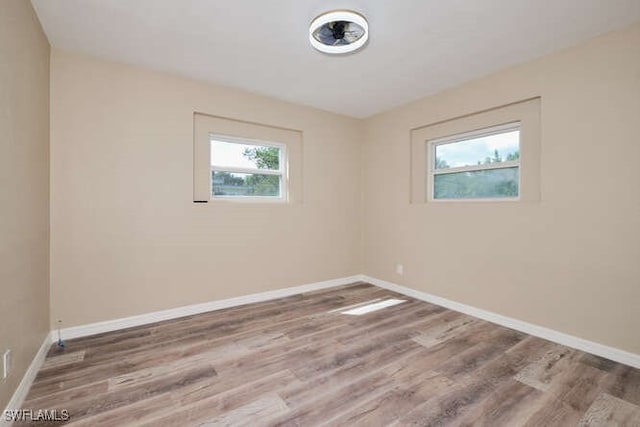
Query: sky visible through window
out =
(472, 151)
(226, 154)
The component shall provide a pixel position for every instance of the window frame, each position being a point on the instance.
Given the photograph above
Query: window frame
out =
(281, 172)
(526, 111)
(205, 125)
(432, 145)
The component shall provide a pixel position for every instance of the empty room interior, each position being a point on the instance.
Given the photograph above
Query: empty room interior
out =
(306, 212)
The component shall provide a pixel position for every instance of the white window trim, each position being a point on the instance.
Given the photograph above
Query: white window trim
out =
(460, 137)
(205, 125)
(282, 171)
(526, 111)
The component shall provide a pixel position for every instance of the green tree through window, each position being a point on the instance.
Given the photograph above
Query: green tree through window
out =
(251, 184)
(265, 158)
(478, 184)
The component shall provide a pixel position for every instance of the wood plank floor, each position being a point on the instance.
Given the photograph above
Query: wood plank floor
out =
(298, 361)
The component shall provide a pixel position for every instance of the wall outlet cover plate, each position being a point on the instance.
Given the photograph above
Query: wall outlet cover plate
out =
(6, 364)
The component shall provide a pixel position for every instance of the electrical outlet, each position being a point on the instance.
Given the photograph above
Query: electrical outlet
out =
(399, 269)
(6, 364)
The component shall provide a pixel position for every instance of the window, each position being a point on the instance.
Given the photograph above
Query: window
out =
(235, 161)
(247, 169)
(478, 165)
(490, 156)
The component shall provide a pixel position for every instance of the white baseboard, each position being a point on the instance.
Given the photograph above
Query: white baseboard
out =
(21, 392)
(25, 384)
(144, 319)
(615, 354)
(602, 350)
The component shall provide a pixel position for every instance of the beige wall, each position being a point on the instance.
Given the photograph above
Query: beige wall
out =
(127, 238)
(24, 188)
(570, 261)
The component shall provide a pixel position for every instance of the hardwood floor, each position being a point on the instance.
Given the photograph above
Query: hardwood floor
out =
(299, 361)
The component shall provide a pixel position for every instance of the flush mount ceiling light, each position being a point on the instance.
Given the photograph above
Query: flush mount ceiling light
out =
(339, 31)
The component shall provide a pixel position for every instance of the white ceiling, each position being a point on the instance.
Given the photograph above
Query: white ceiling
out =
(417, 47)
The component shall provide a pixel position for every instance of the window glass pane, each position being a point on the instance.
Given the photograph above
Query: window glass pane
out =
(488, 183)
(481, 150)
(245, 184)
(225, 154)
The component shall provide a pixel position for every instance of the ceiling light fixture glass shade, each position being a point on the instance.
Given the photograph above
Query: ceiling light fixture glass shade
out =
(339, 31)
